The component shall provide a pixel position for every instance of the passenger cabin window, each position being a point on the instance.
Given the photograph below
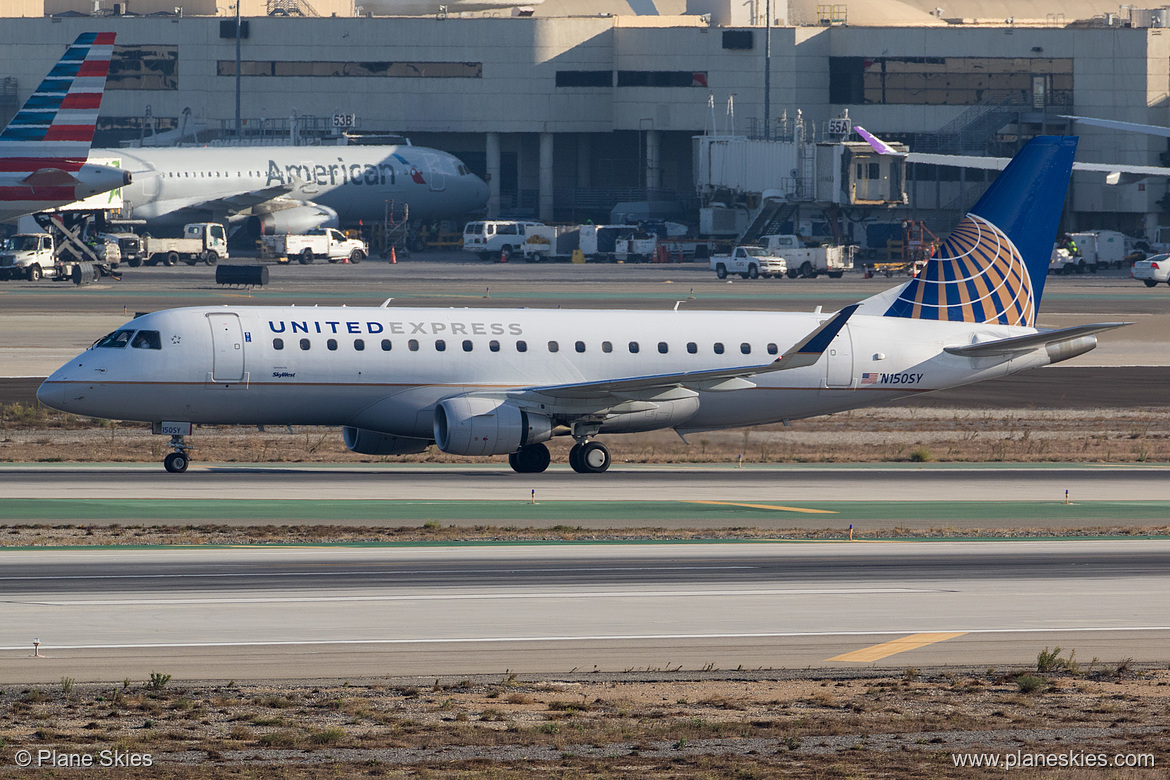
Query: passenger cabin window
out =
(386, 345)
(147, 339)
(580, 346)
(359, 345)
(692, 347)
(606, 347)
(440, 345)
(305, 344)
(633, 347)
(521, 346)
(663, 347)
(467, 345)
(553, 346)
(494, 345)
(332, 345)
(412, 345)
(773, 349)
(116, 340)
(745, 348)
(718, 347)
(278, 343)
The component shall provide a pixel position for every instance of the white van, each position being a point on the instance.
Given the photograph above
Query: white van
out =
(492, 238)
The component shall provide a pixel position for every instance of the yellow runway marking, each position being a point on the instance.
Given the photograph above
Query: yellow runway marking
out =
(768, 506)
(886, 649)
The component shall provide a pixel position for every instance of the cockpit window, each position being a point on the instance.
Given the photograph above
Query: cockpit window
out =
(146, 339)
(116, 340)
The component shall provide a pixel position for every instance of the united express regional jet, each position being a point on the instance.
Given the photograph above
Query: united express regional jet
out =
(43, 150)
(487, 382)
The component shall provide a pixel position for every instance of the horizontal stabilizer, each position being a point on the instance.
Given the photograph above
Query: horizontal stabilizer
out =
(1018, 344)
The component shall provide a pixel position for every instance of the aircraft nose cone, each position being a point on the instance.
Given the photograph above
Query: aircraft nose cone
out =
(51, 394)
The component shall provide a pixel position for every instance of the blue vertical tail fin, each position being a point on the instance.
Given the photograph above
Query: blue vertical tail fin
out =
(992, 266)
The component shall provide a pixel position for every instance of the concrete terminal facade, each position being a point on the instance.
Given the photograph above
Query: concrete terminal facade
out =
(568, 114)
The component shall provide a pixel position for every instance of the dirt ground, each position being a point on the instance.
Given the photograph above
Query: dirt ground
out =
(648, 723)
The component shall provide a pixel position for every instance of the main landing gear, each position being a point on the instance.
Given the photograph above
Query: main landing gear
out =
(177, 461)
(586, 457)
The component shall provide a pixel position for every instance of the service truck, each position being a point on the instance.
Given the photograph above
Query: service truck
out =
(1099, 250)
(201, 241)
(808, 259)
(750, 262)
(328, 243)
(34, 256)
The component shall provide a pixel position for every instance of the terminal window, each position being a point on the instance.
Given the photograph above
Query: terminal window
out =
(950, 81)
(584, 78)
(324, 69)
(662, 78)
(144, 67)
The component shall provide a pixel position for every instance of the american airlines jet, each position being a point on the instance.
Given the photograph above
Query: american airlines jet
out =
(487, 382)
(43, 150)
(292, 189)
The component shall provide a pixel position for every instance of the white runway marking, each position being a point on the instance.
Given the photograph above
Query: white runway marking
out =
(599, 638)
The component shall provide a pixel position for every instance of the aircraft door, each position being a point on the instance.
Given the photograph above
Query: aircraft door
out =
(227, 345)
(839, 360)
(437, 178)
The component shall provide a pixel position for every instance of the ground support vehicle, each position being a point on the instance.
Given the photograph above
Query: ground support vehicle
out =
(59, 253)
(750, 262)
(1152, 270)
(1065, 262)
(1100, 250)
(808, 260)
(201, 241)
(497, 239)
(328, 243)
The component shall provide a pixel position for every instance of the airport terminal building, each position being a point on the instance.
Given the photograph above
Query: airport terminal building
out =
(567, 114)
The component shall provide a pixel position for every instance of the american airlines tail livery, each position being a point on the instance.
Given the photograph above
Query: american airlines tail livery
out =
(504, 381)
(43, 150)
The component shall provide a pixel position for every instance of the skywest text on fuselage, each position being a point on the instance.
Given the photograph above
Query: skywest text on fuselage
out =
(400, 328)
(332, 175)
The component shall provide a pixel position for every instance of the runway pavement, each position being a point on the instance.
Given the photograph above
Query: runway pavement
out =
(257, 613)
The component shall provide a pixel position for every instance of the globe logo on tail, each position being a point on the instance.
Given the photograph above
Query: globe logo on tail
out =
(978, 275)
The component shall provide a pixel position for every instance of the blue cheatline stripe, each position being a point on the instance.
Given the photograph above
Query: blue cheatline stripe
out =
(54, 86)
(75, 54)
(33, 118)
(41, 102)
(24, 133)
(85, 39)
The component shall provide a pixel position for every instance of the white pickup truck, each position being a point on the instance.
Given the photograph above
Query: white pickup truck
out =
(808, 260)
(750, 262)
(328, 243)
(201, 241)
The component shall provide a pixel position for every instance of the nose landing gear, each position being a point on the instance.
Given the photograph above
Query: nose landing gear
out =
(177, 461)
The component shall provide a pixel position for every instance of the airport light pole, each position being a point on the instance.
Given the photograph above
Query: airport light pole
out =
(767, 69)
(238, 123)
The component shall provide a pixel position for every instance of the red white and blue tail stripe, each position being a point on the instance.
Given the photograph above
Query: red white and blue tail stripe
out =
(55, 127)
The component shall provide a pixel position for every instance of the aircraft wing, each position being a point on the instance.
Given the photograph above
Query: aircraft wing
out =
(1018, 344)
(1114, 173)
(242, 201)
(1113, 124)
(806, 352)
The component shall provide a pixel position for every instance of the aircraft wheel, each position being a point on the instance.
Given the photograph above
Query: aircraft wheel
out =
(211, 258)
(306, 257)
(176, 462)
(35, 273)
(532, 459)
(356, 256)
(575, 458)
(594, 458)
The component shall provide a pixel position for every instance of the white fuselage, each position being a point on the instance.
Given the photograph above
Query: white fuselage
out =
(179, 185)
(221, 365)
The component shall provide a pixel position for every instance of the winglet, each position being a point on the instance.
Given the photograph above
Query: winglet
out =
(812, 346)
(879, 146)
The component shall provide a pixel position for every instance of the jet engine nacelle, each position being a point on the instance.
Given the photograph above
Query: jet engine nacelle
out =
(668, 414)
(296, 219)
(466, 425)
(374, 443)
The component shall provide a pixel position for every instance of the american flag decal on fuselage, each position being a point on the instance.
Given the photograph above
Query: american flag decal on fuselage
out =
(977, 276)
